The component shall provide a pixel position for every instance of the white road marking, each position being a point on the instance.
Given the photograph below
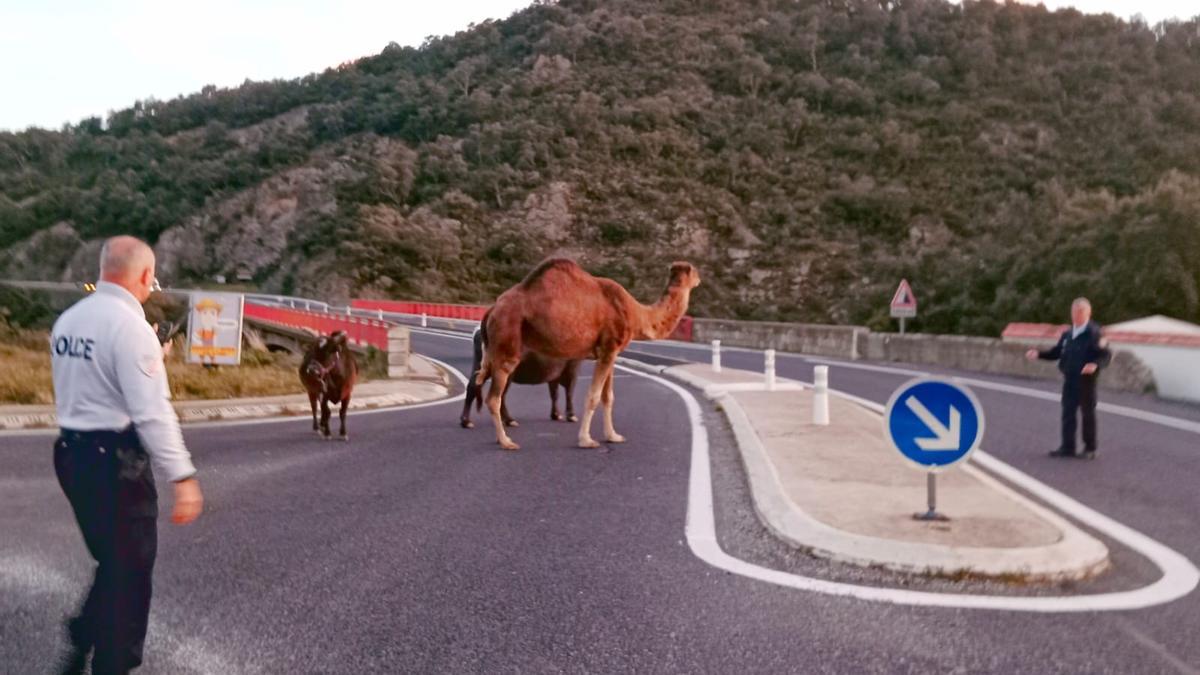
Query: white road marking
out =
(1125, 411)
(1153, 646)
(1179, 577)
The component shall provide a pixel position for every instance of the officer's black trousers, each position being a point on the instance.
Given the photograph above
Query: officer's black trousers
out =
(106, 477)
(1079, 396)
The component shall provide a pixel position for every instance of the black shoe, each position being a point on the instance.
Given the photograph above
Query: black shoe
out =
(1061, 452)
(1088, 454)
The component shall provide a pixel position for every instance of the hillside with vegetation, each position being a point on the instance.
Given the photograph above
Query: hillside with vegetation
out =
(805, 154)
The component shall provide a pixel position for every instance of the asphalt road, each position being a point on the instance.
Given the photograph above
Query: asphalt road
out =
(419, 547)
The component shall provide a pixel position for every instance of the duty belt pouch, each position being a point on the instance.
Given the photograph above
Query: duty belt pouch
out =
(137, 495)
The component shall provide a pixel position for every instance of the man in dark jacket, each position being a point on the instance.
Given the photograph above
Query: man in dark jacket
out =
(1081, 352)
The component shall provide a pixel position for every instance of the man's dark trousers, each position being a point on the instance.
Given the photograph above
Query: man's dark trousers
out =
(106, 476)
(1079, 396)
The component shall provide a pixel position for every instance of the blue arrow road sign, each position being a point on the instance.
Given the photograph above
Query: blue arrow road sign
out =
(934, 424)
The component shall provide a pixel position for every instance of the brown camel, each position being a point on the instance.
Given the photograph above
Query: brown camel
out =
(561, 312)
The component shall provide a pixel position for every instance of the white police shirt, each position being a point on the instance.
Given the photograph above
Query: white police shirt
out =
(109, 373)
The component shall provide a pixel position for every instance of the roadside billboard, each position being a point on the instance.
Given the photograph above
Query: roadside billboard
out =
(215, 328)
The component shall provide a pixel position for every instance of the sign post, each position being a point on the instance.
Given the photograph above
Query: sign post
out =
(904, 303)
(934, 425)
(215, 329)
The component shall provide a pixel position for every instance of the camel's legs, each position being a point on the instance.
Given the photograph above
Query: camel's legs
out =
(495, 400)
(610, 434)
(508, 419)
(604, 368)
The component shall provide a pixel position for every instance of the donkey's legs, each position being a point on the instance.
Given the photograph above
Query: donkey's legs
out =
(472, 394)
(569, 388)
(554, 414)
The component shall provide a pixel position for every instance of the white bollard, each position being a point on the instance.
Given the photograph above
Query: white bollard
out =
(347, 310)
(769, 371)
(716, 356)
(424, 321)
(821, 396)
(381, 315)
(306, 306)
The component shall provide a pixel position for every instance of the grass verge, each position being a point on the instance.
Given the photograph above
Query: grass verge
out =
(25, 378)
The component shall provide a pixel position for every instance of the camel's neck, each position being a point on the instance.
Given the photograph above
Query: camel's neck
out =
(657, 321)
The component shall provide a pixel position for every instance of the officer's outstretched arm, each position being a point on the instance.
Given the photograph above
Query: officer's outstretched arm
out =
(143, 380)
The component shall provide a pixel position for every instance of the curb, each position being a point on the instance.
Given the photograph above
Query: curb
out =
(1077, 555)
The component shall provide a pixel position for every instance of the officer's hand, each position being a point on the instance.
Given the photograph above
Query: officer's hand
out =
(1089, 368)
(1032, 354)
(188, 501)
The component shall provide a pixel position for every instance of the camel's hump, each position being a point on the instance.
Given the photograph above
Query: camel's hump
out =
(563, 265)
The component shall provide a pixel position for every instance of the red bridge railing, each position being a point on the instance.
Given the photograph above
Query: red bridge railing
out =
(359, 331)
(442, 311)
(683, 331)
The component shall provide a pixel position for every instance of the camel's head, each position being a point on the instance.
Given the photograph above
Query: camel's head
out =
(684, 275)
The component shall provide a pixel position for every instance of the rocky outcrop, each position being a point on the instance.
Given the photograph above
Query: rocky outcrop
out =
(48, 255)
(250, 234)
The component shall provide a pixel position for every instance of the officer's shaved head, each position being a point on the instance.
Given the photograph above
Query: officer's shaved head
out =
(128, 262)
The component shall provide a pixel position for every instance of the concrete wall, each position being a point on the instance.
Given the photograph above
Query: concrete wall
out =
(992, 355)
(837, 341)
(985, 355)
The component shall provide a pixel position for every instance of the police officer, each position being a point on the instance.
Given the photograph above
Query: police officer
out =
(1080, 353)
(111, 394)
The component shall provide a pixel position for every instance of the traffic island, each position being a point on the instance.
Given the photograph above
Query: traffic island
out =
(839, 492)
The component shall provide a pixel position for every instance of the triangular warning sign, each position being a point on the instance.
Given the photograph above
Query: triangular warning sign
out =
(904, 297)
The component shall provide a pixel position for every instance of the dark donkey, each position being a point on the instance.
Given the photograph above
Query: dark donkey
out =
(328, 372)
(533, 369)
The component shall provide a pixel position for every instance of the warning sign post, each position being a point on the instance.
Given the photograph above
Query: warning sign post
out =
(904, 303)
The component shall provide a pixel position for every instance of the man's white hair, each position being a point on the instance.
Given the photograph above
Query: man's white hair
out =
(1081, 302)
(123, 256)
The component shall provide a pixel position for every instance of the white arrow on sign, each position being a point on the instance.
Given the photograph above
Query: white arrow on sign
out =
(947, 439)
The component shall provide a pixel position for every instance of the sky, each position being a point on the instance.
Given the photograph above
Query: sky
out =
(65, 60)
